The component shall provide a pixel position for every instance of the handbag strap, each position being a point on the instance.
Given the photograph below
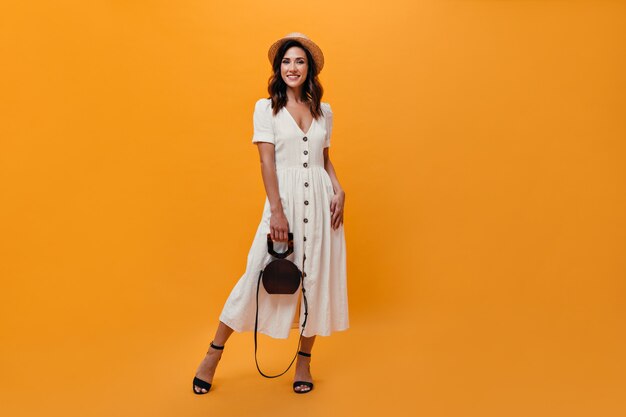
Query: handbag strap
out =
(256, 323)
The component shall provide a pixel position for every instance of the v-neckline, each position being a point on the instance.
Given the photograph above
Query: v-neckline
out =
(296, 123)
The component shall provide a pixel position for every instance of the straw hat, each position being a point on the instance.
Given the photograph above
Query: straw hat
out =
(314, 50)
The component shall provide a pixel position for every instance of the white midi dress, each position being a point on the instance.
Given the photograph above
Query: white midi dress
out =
(305, 192)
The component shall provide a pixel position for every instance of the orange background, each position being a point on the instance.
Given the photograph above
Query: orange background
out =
(482, 148)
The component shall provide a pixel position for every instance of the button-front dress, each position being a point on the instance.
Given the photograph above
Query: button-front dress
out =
(319, 250)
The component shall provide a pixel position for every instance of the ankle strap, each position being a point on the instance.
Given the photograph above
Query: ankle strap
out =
(308, 355)
(216, 347)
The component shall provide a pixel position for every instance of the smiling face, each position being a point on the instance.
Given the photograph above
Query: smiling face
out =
(294, 67)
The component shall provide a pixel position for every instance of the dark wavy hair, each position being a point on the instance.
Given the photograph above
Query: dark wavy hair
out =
(312, 89)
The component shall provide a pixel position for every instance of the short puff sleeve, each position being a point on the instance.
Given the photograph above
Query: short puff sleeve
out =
(328, 116)
(262, 121)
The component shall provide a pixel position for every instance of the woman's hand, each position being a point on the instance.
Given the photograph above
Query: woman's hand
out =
(336, 209)
(279, 226)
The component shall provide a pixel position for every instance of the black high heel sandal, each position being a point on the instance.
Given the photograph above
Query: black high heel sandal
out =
(197, 382)
(305, 383)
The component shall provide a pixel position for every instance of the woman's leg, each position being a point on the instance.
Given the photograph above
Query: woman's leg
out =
(207, 367)
(222, 334)
(303, 367)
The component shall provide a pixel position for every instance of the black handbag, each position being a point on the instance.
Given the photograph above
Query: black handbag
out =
(280, 276)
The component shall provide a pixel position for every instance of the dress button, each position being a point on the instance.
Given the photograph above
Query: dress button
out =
(305, 238)
(306, 220)
(304, 273)
(306, 152)
(305, 164)
(304, 139)
(306, 202)
(306, 184)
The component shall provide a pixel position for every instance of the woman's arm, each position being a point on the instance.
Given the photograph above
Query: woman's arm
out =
(279, 226)
(338, 200)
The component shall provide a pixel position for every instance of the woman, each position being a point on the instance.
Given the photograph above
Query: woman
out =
(292, 131)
